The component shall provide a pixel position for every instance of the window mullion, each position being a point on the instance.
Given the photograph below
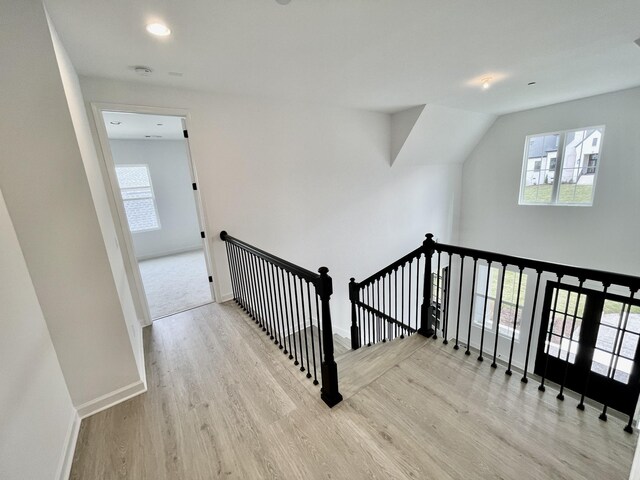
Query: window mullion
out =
(559, 166)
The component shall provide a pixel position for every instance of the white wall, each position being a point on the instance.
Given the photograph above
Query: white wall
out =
(98, 189)
(48, 195)
(308, 183)
(604, 236)
(171, 179)
(37, 414)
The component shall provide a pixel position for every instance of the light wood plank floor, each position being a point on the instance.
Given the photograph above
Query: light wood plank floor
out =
(224, 403)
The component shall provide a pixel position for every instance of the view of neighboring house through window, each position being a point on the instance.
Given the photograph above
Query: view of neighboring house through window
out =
(137, 197)
(508, 321)
(560, 168)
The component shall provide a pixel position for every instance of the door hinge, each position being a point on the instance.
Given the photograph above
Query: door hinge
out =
(202, 234)
(195, 186)
(185, 133)
(210, 279)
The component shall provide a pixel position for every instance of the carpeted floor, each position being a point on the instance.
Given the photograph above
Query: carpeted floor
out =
(175, 283)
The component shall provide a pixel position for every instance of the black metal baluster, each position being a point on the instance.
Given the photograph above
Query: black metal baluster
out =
(552, 320)
(402, 297)
(236, 257)
(321, 351)
(313, 346)
(243, 278)
(361, 332)
(515, 321)
(268, 301)
(295, 293)
(231, 270)
(380, 321)
(457, 345)
(252, 285)
(286, 337)
(247, 276)
(560, 395)
(615, 352)
(438, 307)
(524, 378)
(256, 282)
(254, 290)
(473, 294)
(580, 406)
(409, 296)
(367, 290)
(287, 320)
(391, 325)
(484, 310)
(418, 292)
(306, 333)
(383, 321)
(495, 340)
(395, 272)
(445, 328)
(265, 303)
(275, 308)
(295, 348)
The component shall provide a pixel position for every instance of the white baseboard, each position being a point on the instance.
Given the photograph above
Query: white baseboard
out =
(346, 333)
(110, 399)
(64, 470)
(177, 251)
(225, 297)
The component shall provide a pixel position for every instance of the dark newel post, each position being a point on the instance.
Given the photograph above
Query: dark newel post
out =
(329, 392)
(426, 311)
(354, 291)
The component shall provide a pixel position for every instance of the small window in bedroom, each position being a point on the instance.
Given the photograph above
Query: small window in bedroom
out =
(137, 197)
(560, 168)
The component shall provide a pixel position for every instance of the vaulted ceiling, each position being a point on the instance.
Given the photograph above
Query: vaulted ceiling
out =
(382, 55)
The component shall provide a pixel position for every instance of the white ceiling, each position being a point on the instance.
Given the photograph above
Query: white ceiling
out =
(136, 126)
(383, 55)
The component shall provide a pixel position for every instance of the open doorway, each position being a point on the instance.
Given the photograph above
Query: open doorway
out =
(154, 184)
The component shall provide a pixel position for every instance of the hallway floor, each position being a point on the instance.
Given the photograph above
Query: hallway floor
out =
(222, 402)
(174, 283)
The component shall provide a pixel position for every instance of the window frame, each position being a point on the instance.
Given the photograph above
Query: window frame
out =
(153, 196)
(557, 177)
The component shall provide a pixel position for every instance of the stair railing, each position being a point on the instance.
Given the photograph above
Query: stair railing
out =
(284, 300)
(583, 324)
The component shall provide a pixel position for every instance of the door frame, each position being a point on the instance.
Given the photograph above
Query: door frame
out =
(128, 251)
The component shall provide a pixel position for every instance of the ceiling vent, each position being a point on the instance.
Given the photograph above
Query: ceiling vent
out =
(142, 70)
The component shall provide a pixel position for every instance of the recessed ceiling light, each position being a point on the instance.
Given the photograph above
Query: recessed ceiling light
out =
(158, 29)
(115, 123)
(159, 124)
(486, 82)
(531, 83)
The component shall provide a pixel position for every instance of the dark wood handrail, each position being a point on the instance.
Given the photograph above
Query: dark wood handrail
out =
(390, 268)
(288, 266)
(607, 278)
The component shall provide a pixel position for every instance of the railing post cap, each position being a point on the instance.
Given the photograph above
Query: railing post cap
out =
(429, 237)
(223, 234)
(352, 280)
(323, 270)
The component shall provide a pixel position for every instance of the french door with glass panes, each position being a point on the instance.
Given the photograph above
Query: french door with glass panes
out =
(589, 342)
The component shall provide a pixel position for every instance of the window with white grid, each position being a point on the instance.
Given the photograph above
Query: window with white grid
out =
(137, 197)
